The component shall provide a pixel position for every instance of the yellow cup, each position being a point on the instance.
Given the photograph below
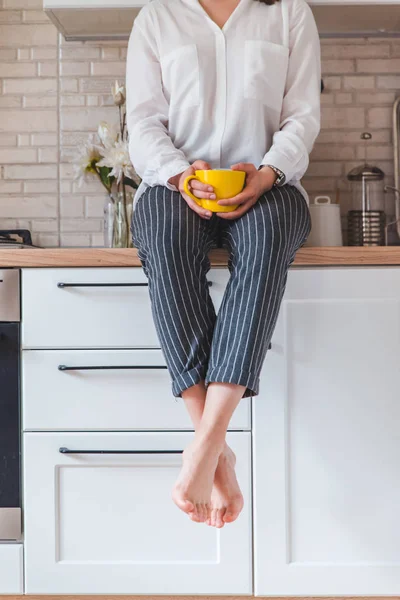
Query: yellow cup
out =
(226, 184)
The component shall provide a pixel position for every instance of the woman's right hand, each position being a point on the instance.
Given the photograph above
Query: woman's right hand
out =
(200, 190)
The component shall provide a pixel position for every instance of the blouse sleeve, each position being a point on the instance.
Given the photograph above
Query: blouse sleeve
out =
(151, 150)
(300, 117)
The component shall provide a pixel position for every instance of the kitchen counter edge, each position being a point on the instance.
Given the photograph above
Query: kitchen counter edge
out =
(127, 257)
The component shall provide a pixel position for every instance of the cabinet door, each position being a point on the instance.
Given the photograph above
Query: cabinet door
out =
(11, 580)
(327, 438)
(106, 524)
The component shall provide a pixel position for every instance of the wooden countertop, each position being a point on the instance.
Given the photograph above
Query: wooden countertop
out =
(113, 257)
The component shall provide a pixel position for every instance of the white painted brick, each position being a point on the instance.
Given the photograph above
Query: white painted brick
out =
(110, 53)
(10, 16)
(344, 98)
(27, 35)
(380, 152)
(359, 82)
(9, 156)
(93, 186)
(73, 240)
(94, 206)
(379, 98)
(28, 206)
(106, 100)
(30, 172)
(44, 139)
(69, 85)
(10, 102)
(66, 171)
(48, 69)
(8, 53)
(10, 187)
(86, 119)
(389, 82)
(322, 185)
(83, 52)
(65, 187)
(44, 225)
(40, 187)
(29, 120)
(40, 101)
(7, 139)
(8, 223)
(68, 154)
(379, 66)
(349, 51)
(30, 86)
(325, 169)
(332, 152)
(72, 205)
(383, 136)
(73, 138)
(25, 4)
(74, 68)
(97, 240)
(72, 100)
(48, 155)
(35, 16)
(14, 69)
(92, 100)
(24, 53)
(332, 83)
(380, 117)
(24, 140)
(114, 69)
(97, 86)
(45, 240)
(343, 117)
(81, 225)
(123, 53)
(44, 53)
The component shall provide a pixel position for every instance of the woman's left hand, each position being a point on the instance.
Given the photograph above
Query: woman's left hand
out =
(257, 183)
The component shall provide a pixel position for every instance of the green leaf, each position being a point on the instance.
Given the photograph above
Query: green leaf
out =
(105, 176)
(131, 183)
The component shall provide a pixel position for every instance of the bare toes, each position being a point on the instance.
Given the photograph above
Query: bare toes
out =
(219, 521)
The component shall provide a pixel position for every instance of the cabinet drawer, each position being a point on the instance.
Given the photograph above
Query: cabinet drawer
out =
(104, 389)
(11, 578)
(106, 524)
(92, 308)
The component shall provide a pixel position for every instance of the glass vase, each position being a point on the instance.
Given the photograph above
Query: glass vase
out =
(117, 220)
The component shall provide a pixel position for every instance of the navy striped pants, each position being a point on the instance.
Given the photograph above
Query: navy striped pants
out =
(173, 242)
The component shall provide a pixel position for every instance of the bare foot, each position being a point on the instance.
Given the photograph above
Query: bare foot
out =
(192, 491)
(226, 497)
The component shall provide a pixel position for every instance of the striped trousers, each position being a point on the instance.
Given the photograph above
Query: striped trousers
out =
(173, 243)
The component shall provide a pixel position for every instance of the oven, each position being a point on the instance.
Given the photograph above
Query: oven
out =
(10, 459)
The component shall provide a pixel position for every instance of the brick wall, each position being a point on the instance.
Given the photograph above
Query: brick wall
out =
(53, 93)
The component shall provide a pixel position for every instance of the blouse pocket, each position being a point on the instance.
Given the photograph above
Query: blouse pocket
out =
(266, 66)
(181, 77)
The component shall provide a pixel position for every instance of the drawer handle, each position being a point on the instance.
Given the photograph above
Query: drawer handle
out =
(104, 368)
(68, 285)
(68, 451)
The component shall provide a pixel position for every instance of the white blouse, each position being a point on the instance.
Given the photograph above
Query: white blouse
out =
(249, 92)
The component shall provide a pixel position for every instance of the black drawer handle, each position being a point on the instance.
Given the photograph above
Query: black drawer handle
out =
(110, 367)
(72, 285)
(68, 451)
(69, 285)
(270, 346)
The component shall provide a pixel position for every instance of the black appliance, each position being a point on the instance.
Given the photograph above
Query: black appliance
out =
(10, 459)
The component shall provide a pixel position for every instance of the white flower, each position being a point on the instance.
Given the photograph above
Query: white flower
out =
(108, 134)
(119, 94)
(117, 158)
(84, 158)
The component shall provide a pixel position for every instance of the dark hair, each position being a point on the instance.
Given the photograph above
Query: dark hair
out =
(268, 1)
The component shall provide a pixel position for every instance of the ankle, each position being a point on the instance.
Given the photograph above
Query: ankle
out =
(212, 437)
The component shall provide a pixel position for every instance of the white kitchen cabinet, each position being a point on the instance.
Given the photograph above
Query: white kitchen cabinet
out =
(93, 308)
(106, 524)
(11, 578)
(104, 389)
(327, 438)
